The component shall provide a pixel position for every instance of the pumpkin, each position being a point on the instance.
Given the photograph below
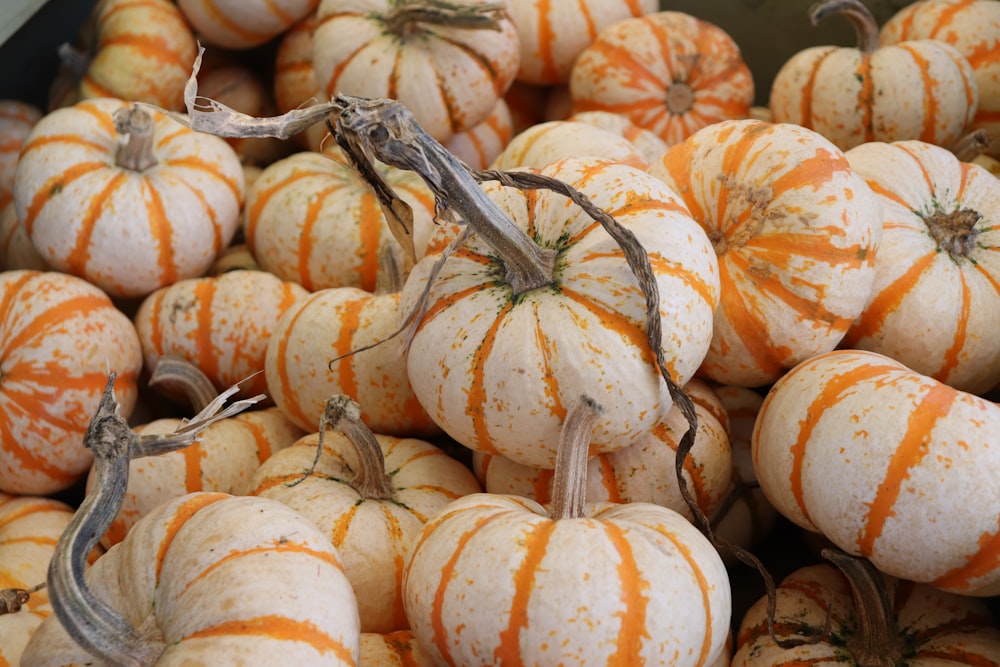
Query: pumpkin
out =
(498, 579)
(554, 140)
(294, 79)
(642, 472)
(220, 324)
(222, 580)
(795, 231)
(142, 51)
(973, 28)
(370, 494)
(16, 120)
(393, 649)
(934, 301)
(495, 359)
(480, 145)
(650, 146)
(130, 200)
(447, 62)
(552, 34)
(311, 219)
(59, 336)
(878, 458)
(16, 249)
(667, 71)
(243, 24)
(918, 89)
(30, 526)
(919, 626)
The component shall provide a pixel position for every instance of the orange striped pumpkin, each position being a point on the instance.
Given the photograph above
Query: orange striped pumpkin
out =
(795, 231)
(243, 24)
(642, 472)
(919, 89)
(393, 649)
(372, 533)
(128, 220)
(932, 627)
(59, 338)
(497, 373)
(16, 249)
(554, 140)
(552, 34)
(311, 219)
(650, 146)
(143, 52)
(668, 72)
(30, 526)
(448, 75)
(223, 460)
(221, 324)
(973, 28)
(219, 579)
(887, 464)
(934, 302)
(16, 120)
(480, 145)
(295, 82)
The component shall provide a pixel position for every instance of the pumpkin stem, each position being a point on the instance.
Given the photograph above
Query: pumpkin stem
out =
(93, 624)
(865, 25)
(972, 145)
(343, 415)
(680, 98)
(569, 481)
(135, 124)
(12, 599)
(954, 232)
(877, 642)
(401, 20)
(179, 373)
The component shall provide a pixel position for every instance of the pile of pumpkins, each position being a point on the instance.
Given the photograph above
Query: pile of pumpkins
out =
(469, 450)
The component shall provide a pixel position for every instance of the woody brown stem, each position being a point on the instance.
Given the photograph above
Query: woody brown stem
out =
(876, 642)
(569, 482)
(179, 374)
(343, 414)
(861, 18)
(404, 18)
(135, 125)
(12, 599)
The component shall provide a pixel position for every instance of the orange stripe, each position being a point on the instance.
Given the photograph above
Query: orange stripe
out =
(54, 186)
(476, 396)
(532, 544)
(282, 629)
(292, 403)
(984, 562)
(276, 547)
(703, 586)
(79, 256)
(887, 300)
(371, 222)
(635, 600)
(182, 514)
(348, 324)
(206, 354)
(307, 226)
(913, 447)
(161, 230)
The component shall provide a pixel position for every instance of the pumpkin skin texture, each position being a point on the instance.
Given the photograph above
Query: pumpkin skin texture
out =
(879, 458)
(919, 89)
(242, 24)
(937, 629)
(650, 146)
(393, 649)
(973, 28)
(311, 219)
(16, 249)
(649, 590)
(668, 72)
(143, 53)
(480, 145)
(373, 536)
(553, 140)
(221, 580)
(448, 76)
(795, 231)
(220, 324)
(30, 526)
(496, 373)
(553, 34)
(935, 304)
(127, 231)
(60, 336)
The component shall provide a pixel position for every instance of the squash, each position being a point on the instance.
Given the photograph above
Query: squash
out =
(370, 494)
(447, 62)
(553, 34)
(554, 140)
(973, 28)
(480, 145)
(650, 146)
(243, 24)
(919, 89)
(126, 198)
(16, 250)
(878, 458)
(59, 336)
(934, 301)
(294, 79)
(16, 120)
(668, 72)
(795, 231)
(498, 579)
(393, 649)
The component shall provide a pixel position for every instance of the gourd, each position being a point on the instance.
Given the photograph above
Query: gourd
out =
(650, 146)
(553, 140)
(919, 89)
(126, 198)
(481, 144)
(243, 24)
(667, 71)
(16, 120)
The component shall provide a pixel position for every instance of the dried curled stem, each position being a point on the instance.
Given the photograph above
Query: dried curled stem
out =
(861, 18)
(402, 18)
(12, 599)
(179, 373)
(92, 623)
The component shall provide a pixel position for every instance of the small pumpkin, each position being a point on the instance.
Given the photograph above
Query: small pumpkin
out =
(243, 24)
(667, 71)
(554, 140)
(126, 198)
(295, 82)
(16, 249)
(16, 120)
(918, 89)
(393, 649)
(650, 146)
(480, 145)
(447, 62)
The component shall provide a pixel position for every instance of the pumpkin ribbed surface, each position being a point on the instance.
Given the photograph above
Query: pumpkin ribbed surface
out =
(242, 24)
(873, 455)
